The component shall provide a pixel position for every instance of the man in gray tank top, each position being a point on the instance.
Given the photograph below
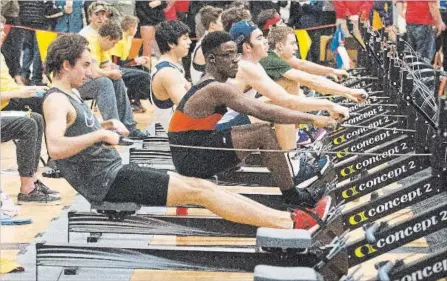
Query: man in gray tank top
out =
(77, 141)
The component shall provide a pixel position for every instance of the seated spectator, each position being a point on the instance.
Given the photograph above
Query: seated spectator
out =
(106, 84)
(137, 81)
(97, 16)
(27, 130)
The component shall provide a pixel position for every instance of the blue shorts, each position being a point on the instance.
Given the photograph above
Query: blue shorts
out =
(241, 119)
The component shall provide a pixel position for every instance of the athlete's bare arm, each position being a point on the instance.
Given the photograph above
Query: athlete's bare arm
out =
(258, 79)
(324, 85)
(60, 114)
(166, 84)
(204, 101)
(199, 58)
(316, 69)
(115, 125)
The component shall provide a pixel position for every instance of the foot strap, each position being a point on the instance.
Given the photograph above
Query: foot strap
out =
(320, 222)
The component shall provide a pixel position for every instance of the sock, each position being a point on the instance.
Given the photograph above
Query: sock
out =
(293, 161)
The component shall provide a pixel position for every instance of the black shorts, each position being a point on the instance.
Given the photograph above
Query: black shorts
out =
(202, 163)
(141, 185)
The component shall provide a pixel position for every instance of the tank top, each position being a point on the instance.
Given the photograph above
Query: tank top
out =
(163, 109)
(182, 122)
(92, 171)
(196, 69)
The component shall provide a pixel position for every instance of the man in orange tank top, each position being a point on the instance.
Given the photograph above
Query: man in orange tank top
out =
(194, 124)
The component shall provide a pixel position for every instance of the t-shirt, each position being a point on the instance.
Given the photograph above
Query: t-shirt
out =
(7, 83)
(418, 12)
(88, 32)
(97, 53)
(274, 66)
(122, 48)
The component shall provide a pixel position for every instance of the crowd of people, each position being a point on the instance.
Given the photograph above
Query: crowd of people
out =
(236, 87)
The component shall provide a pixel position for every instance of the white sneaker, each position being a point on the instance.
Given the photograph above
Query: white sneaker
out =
(8, 208)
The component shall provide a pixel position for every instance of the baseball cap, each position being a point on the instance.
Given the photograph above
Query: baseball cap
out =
(276, 18)
(242, 30)
(97, 7)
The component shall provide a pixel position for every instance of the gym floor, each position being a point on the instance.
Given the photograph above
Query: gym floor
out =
(50, 223)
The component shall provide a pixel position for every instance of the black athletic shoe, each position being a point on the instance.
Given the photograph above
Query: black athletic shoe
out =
(321, 166)
(38, 197)
(307, 191)
(307, 175)
(304, 197)
(45, 189)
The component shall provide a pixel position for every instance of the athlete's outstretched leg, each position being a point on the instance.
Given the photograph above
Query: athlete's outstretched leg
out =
(230, 206)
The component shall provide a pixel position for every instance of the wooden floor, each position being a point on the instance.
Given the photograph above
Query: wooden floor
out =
(43, 215)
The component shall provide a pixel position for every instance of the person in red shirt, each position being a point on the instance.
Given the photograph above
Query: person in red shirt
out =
(353, 10)
(344, 9)
(421, 17)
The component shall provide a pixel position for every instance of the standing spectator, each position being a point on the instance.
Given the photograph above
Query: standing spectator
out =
(194, 22)
(13, 43)
(150, 13)
(118, 9)
(33, 14)
(211, 19)
(354, 10)
(308, 14)
(328, 17)
(421, 16)
(268, 19)
(257, 6)
(233, 15)
(182, 8)
(71, 21)
(385, 10)
(442, 39)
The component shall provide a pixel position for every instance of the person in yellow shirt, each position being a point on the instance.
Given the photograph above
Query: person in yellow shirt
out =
(17, 97)
(106, 84)
(27, 129)
(137, 81)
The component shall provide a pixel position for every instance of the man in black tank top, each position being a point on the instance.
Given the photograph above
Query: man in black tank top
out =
(192, 125)
(77, 141)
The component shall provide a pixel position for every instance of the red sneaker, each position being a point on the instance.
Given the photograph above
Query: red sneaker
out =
(303, 220)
